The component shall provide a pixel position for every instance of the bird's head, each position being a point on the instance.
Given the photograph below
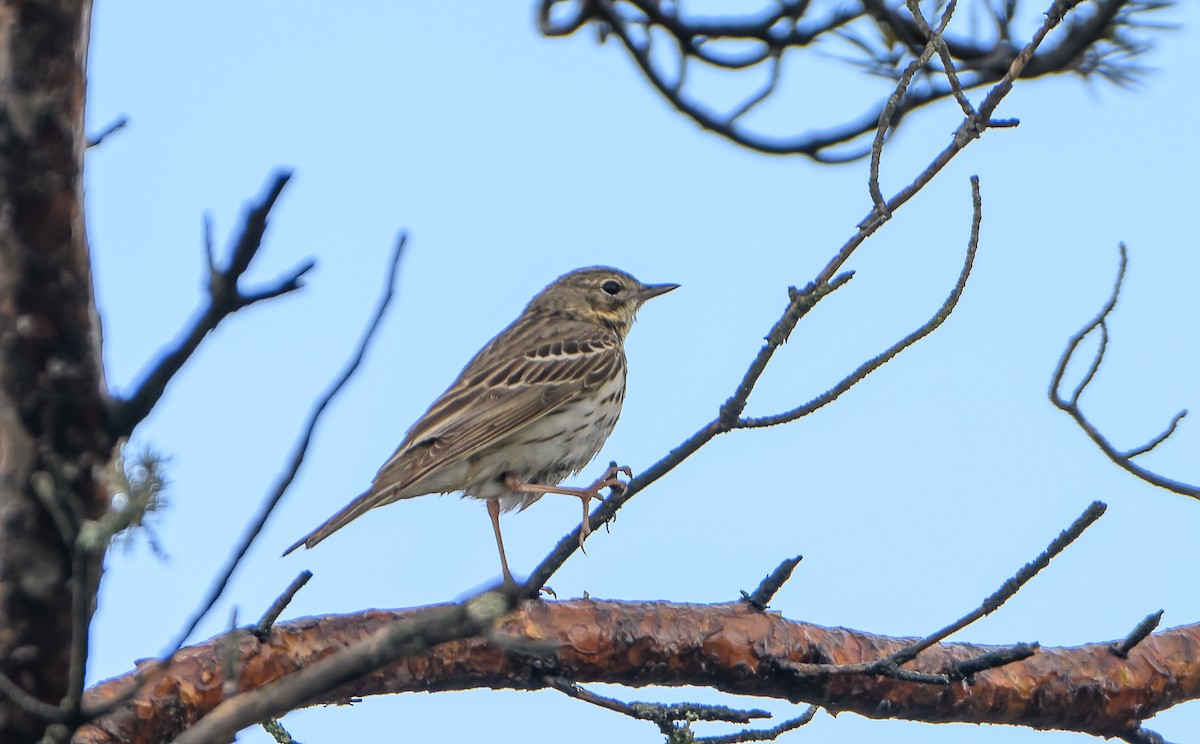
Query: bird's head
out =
(599, 294)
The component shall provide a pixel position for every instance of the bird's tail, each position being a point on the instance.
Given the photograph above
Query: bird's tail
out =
(356, 508)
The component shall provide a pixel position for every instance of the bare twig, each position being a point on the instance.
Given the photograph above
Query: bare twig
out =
(770, 734)
(113, 127)
(278, 732)
(967, 669)
(217, 587)
(1105, 39)
(661, 714)
(83, 590)
(1070, 404)
(888, 113)
(230, 657)
(1138, 634)
(875, 363)
(30, 704)
(1139, 735)
(800, 301)
(890, 665)
(224, 299)
(773, 582)
(262, 629)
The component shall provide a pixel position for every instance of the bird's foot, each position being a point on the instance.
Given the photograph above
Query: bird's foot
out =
(610, 479)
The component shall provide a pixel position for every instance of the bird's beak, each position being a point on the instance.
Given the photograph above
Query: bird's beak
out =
(649, 291)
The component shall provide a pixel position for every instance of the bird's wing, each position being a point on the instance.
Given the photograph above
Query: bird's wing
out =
(492, 398)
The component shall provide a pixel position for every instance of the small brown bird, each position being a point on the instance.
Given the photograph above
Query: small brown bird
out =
(534, 406)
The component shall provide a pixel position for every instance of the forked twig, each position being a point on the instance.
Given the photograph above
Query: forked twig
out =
(1070, 403)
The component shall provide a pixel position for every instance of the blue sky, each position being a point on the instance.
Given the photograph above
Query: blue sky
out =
(511, 159)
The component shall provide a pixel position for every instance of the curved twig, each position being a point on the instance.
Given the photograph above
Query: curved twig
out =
(875, 363)
(1070, 404)
(1100, 42)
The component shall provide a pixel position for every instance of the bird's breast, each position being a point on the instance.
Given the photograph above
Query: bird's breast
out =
(546, 451)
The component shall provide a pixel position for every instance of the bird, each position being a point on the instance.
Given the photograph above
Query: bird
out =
(531, 408)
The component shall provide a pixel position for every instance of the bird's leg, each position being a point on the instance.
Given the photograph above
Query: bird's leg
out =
(585, 495)
(493, 507)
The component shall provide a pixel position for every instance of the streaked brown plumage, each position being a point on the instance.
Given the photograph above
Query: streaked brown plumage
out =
(534, 406)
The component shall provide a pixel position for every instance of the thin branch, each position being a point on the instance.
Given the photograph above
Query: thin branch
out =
(762, 94)
(970, 129)
(937, 40)
(800, 302)
(890, 665)
(1139, 735)
(30, 704)
(83, 592)
(231, 658)
(278, 732)
(1138, 634)
(1094, 511)
(1071, 407)
(875, 363)
(968, 668)
(1162, 437)
(770, 734)
(773, 582)
(661, 714)
(262, 629)
(224, 299)
(888, 113)
(217, 587)
(1104, 40)
(113, 127)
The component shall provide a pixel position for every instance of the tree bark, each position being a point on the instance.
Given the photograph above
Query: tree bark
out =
(729, 647)
(52, 425)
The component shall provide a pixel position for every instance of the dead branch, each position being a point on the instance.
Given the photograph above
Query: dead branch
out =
(292, 467)
(225, 298)
(1070, 403)
(1105, 39)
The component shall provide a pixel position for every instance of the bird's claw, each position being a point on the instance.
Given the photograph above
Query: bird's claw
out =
(610, 479)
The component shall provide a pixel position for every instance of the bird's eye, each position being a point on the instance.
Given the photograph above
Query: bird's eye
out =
(611, 286)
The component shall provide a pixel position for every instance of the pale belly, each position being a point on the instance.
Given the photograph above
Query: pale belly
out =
(545, 452)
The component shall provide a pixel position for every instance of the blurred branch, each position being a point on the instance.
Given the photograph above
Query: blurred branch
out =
(1070, 403)
(225, 298)
(301, 448)
(1105, 39)
(238, 551)
(113, 127)
(54, 440)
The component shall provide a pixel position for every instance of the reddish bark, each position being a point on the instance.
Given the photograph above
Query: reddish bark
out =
(728, 647)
